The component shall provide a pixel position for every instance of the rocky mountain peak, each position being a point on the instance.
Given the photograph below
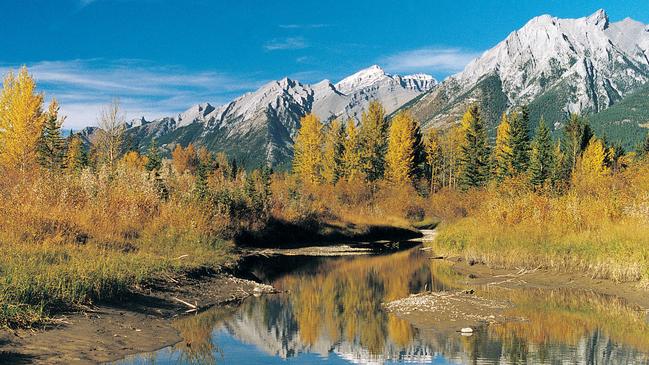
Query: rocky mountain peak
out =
(598, 19)
(363, 78)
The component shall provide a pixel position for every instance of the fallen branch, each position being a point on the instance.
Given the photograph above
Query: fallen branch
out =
(190, 305)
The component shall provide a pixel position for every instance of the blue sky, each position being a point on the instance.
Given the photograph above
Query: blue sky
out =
(161, 56)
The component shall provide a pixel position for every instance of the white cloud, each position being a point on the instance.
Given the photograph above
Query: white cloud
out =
(278, 44)
(144, 89)
(302, 59)
(432, 60)
(304, 26)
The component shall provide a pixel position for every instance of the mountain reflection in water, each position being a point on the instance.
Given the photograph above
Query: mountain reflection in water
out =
(332, 311)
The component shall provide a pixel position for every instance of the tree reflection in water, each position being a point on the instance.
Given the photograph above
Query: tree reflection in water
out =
(334, 306)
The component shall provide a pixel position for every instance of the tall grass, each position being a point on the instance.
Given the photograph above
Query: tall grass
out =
(70, 239)
(599, 227)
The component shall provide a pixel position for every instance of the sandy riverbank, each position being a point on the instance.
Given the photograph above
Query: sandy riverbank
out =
(112, 331)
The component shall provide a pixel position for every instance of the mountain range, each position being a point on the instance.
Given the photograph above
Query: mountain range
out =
(555, 66)
(258, 128)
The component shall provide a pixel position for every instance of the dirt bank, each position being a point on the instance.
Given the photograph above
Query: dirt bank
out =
(141, 323)
(481, 275)
(470, 301)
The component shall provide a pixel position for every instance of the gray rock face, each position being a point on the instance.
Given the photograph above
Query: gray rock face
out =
(258, 128)
(558, 66)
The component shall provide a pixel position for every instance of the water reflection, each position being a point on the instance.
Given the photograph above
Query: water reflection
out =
(332, 310)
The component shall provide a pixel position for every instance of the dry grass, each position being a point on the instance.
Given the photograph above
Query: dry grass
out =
(78, 238)
(70, 239)
(599, 227)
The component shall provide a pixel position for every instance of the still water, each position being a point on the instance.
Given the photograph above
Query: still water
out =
(331, 313)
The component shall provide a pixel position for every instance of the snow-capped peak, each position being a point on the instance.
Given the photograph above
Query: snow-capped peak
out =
(419, 76)
(419, 81)
(361, 79)
(195, 113)
(549, 48)
(136, 122)
(598, 19)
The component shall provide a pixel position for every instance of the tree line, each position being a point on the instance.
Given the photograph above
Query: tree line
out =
(372, 151)
(32, 142)
(396, 151)
(377, 149)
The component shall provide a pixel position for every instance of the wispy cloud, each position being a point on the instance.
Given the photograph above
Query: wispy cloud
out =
(434, 60)
(83, 3)
(304, 26)
(278, 44)
(302, 59)
(144, 89)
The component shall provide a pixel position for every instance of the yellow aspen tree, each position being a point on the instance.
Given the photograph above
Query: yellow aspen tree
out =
(451, 144)
(21, 121)
(133, 160)
(434, 159)
(307, 158)
(76, 157)
(502, 153)
(593, 159)
(332, 152)
(179, 159)
(400, 157)
(372, 140)
(184, 159)
(351, 158)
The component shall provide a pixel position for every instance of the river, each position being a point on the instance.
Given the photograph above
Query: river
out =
(330, 311)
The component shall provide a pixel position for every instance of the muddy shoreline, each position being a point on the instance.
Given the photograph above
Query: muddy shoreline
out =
(143, 321)
(465, 306)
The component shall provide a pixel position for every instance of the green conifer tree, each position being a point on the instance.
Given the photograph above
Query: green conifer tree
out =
(541, 156)
(51, 145)
(266, 191)
(201, 188)
(560, 174)
(644, 149)
(420, 170)
(577, 135)
(474, 150)
(520, 140)
(154, 160)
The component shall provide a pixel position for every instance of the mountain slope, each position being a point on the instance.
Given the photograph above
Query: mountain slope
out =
(557, 66)
(258, 128)
(626, 122)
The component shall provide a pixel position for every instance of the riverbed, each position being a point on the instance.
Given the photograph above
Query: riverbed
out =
(394, 307)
